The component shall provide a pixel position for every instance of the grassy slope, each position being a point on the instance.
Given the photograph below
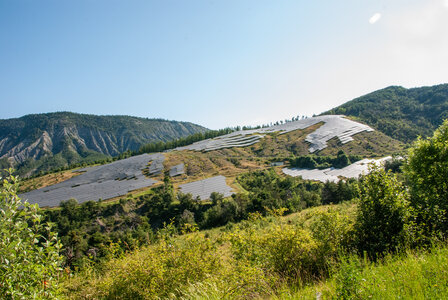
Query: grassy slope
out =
(414, 275)
(183, 262)
(204, 265)
(234, 161)
(45, 180)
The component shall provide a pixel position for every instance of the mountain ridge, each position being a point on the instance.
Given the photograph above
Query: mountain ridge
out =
(403, 114)
(76, 136)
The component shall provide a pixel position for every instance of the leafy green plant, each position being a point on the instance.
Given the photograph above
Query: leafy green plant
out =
(29, 250)
(427, 173)
(348, 278)
(384, 220)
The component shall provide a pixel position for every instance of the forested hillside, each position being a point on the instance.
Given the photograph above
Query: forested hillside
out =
(62, 138)
(400, 113)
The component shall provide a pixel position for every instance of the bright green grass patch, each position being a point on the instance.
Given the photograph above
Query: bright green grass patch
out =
(414, 275)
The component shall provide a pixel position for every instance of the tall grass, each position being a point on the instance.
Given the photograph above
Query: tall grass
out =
(301, 256)
(410, 275)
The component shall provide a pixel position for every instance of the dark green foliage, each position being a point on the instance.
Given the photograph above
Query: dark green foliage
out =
(187, 217)
(186, 202)
(384, 222)
(427, 174)
(323, 161)
(29, 251)
(4, 164)
(400, 113)
(394, 165)
(341, 160)
(306, 162)
(333, 192)
(221, 213)
(162, 146)
(216, 198)
(269, 190)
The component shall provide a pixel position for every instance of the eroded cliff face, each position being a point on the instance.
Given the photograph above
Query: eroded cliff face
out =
(37, 136)
(19, 151)
(72, 138)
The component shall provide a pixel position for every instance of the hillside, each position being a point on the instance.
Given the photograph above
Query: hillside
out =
(398, 112)
(57, 139)
(382, 245)
(228, 155)
(275, 257)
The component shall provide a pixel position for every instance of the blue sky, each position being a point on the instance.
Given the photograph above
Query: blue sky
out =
(215, 63)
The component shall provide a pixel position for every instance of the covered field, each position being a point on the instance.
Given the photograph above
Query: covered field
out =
(203, 188)
(331, 174)
(99, 182)
(334, 126)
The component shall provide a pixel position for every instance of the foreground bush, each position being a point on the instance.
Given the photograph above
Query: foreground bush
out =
(300, 257)
(29, 251)
(427, 173)
(168, 269)
(296, 252)
(248, 260)
(385, 220)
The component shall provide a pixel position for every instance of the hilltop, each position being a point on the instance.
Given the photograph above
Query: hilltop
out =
(42, 142)
(403, 114)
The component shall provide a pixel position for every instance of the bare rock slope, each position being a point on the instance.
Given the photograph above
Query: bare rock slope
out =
(77, 135)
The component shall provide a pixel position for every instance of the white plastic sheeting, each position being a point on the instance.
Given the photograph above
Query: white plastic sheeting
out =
(203, 188)
(331, 174)
(156, 166)
(105, 182)
(177, 170)
(334, 126)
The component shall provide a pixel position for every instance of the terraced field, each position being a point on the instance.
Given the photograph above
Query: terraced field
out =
(200, 171)
(99, 182)
(333, 126)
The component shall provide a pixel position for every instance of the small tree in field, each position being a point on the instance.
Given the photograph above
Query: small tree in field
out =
(427, 173)
(384, 218)
(29, 251)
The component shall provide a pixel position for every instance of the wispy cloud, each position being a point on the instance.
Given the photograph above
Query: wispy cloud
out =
(375, 18)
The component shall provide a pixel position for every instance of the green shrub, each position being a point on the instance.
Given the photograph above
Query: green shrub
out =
(427, 173)
(157, 271)
(288, 251)
(334, 234)
(384, 220)
(348, 278)
(29, 251)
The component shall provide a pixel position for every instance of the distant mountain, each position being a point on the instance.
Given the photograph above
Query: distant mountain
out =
(400, 113)
(64, 138)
